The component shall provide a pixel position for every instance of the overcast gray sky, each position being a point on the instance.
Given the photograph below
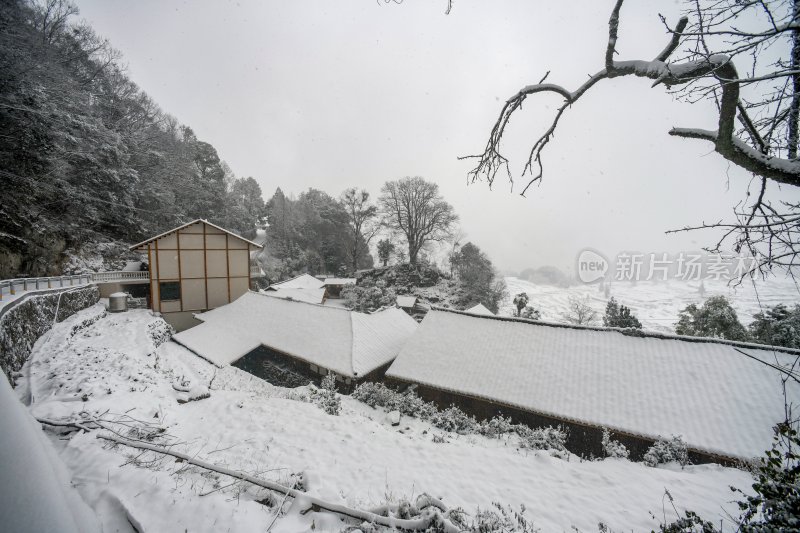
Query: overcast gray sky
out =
(311, 93)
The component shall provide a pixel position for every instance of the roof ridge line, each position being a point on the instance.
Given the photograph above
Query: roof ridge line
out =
(195, 221)
(628, 332)
(330, 307)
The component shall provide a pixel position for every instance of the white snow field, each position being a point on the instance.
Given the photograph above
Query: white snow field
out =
(655, 304)
(108, 365)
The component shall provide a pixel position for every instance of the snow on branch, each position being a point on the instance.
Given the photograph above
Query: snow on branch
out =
(717, 67)
(429, 512)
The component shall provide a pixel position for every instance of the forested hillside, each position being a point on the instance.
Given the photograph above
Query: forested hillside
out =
(86, 155)
(312, 233)
(90, 164)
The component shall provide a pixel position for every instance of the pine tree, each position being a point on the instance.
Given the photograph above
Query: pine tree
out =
(385, 249)
(778, 326)
(716, 318)
(619, 316)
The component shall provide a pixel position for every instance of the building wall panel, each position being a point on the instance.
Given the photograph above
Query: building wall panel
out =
(168, 241)
(192, 263)
(193, 294)
(167, 264)
(215, 242)
(239, 262)
(197, 227)
(236, 244)
(191, 241)
(170, 306)
(239, 286)
(217, 262)
(217, 292)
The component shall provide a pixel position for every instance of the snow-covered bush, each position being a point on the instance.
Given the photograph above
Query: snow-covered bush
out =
(456, 420)
(496, 427)
(367, 298)
(407, 402)
(326, 397)
(372, 394)
(546, 438)
(667, 451)
(85, 323)
(531, 313)
(159, 332)
(776, 499)
(613, 448)
(498, 519)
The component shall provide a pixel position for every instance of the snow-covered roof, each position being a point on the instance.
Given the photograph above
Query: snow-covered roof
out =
(349, 343)
(406, 301)
(479, 309)
(312, 296)
(340, 281)
(303, 281)
(173, 230)
(718, 399)
(132, 266)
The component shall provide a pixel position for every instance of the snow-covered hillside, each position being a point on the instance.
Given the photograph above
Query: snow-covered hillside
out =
(655, 304)
(113, 368)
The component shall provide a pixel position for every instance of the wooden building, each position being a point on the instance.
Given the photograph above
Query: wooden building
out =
(194, 268)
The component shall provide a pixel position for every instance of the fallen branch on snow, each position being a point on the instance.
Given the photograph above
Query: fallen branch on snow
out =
(431, 511)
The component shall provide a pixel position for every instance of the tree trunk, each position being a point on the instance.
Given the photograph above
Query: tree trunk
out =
(794, 110)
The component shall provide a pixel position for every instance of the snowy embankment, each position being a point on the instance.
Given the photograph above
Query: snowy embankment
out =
(115, 368)
(655, 304)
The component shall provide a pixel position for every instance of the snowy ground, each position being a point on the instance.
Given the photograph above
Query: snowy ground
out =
(111, 366)
(655, 304)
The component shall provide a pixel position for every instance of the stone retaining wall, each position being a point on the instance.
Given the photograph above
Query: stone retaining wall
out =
(26, 321)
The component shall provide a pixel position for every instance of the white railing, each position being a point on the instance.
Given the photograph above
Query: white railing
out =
(124, 275)
(10, 287)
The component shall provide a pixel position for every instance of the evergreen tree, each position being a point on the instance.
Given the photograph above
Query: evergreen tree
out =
(619, 316)
(86, 155)
(778, 326)
(716, 318)
(385, 249)
(478, 281)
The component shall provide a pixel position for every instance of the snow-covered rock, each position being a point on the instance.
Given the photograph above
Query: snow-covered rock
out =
(393, 418)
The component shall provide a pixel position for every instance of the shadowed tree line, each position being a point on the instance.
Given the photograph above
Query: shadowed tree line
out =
(86, 155)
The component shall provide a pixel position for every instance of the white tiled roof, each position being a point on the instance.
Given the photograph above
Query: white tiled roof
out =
(312, 296)
(479, 309)
(349, 343)
(303, 281)
(406, 301)
(340, 281)
(719, 400)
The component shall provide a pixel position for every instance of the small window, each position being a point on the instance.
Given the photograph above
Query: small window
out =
(169, 290)
(313, 368)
